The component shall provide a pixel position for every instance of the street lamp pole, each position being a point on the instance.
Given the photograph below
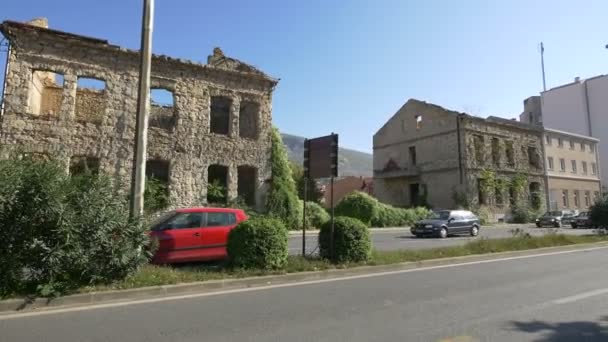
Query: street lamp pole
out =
(138, 176)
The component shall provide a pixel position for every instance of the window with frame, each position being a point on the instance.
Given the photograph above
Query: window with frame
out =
(560, 142)
(591, 148)
(548, 139)
(572, 144)
(576, 198)
(185, 221)
(596, 195)
(573, 162)
(550, 163)
(584, 164)
(583, 145)
(217, 219)
(562, 165)
(594, 168)
(565, 198)
(587, 198)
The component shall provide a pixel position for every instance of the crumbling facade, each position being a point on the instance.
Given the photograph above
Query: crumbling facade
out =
(75, 98)
(426, 154)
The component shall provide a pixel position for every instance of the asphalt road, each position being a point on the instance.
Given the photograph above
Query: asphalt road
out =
(403, 239)
(558, 297)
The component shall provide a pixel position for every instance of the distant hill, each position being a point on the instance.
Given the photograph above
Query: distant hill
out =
(351, 162)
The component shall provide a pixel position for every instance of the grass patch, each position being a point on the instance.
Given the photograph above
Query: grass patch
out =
(151, 275)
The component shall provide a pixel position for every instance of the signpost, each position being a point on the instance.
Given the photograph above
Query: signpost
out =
(320, 161)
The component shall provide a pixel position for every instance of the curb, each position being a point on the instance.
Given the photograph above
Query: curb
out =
(12, 306)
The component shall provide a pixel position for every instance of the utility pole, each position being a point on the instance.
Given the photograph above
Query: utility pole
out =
(138, 176)
(542, 64)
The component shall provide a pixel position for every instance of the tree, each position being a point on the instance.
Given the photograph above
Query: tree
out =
(313, 191)
(282, 200)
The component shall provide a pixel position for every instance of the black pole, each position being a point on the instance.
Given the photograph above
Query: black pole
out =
(331, 235)
(304, 219)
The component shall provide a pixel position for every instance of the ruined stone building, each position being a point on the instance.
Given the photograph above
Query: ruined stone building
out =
(75, 98)
(426, 153)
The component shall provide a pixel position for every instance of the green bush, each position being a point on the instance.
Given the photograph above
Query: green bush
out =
(520, 213)
(59, 232)
(259, 243)
(316, 215)
(485, 215)
(352, 242)
(156, 196)
(389, 216)
(599, 213)
(358, 205)
(282, 200)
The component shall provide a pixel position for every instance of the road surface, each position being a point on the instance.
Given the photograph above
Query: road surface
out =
(553, 297)
(403, 239)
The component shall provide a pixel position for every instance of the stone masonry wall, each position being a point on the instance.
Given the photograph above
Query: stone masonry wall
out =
(109, 134)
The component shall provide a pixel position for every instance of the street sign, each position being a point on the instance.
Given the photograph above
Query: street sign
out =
(321, 157)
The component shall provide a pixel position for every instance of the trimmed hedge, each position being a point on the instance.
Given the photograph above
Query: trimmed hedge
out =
(352, 242)
(599, 213)
(370, 211)
(260, 243)
(358, 205)
(60, 233)
(316, 215)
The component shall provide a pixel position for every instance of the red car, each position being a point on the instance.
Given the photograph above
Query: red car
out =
(194, 234)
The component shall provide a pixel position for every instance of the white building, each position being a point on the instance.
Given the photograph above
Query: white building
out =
(579, 107)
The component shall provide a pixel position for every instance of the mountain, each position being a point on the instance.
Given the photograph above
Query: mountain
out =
(351, 162)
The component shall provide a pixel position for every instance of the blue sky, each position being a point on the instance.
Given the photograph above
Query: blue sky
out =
(347, 66)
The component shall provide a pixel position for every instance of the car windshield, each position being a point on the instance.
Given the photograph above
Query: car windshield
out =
(162, 218)
(553, 213)
(440, 215)
(583, 215)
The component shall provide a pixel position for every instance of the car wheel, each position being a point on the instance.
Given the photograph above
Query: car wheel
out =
(443, 233)
(474, 231)
(574, 226)
(538, 225)
(558, 224)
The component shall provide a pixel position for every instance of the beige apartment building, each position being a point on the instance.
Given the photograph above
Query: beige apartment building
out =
(572, 167)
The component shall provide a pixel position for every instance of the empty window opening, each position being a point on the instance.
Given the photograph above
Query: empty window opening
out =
(158, 169)
(35, 156)
(90, 99)
(45, 93)
(498, 196)
(481, 193)
(535, 195)
(510, 154)
(156, 194)
(80, 165)
(162, 110)
(217, 184)
(247, 176)
(533, 157)
(249, 113)
(220, 115)
(478, 144)
(418, 121)
(512, 195)
(412, 155)
(496, 151)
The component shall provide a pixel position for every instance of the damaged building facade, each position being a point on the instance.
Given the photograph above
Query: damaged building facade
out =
(426, 154)
(74, 98)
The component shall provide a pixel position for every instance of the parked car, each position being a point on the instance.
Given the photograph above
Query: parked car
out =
(555, 218)
(447, 222)
(583, 220)
(194, 234)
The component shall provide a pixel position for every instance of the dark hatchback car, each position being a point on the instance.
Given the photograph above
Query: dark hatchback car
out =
(583, 220)
(447, 222)
(555, 218)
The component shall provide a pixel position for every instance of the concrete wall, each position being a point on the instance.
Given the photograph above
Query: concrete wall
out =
(564, 108)
(598, 107)
(558, 185)
(109, 136)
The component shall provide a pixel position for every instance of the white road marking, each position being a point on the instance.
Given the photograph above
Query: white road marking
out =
(268, 287)
(580, 296)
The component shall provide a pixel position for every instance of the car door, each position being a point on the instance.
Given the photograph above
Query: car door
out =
(459, 223)
(215, 232)
(179, 239)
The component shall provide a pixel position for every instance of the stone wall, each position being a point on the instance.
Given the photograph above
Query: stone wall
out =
(106, 130)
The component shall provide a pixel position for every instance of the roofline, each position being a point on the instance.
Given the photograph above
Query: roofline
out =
(573, 83)
(576, 135)
(5, 25)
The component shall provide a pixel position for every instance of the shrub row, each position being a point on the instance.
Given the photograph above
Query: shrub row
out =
(371, 212)
(59, 232)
